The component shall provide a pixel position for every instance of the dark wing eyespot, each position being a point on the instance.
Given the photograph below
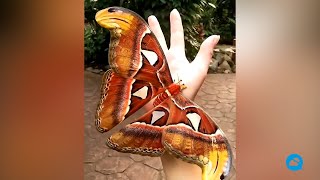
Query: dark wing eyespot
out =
(222, 176)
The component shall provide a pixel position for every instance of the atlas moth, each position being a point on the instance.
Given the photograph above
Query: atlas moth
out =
(140, 77)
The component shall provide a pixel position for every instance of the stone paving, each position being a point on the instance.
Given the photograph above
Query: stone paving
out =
(217, 96)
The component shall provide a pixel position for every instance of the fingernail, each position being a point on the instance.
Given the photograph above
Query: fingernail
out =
(151, 17)
(216, 38)
(174, 10)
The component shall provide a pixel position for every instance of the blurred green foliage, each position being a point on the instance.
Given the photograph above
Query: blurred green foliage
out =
(201, 18)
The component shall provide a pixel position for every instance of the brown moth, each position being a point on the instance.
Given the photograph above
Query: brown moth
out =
(140, 73)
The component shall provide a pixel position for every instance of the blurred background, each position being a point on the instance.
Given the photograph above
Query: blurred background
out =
(200, 20)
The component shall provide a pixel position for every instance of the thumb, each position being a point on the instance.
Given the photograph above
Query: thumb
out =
(205, 53)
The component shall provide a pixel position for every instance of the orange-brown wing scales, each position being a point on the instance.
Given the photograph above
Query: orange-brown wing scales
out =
(148, 73)
(177, 125)
(141, 94)
(134, 51)
(208, 151)
(138, 138)
(155, 56)
(182, 110)
(142, 137)
(109, 113)
(121, 97)
(192, 136)
(125, 45)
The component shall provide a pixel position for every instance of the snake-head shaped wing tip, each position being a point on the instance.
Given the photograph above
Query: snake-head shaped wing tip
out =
(116, 18)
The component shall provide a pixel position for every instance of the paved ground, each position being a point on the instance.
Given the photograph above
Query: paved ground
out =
(217, 96)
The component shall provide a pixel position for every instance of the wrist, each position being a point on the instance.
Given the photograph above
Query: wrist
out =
(178, 169)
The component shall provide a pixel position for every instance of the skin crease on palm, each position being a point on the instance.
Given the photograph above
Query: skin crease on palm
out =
(192, 75)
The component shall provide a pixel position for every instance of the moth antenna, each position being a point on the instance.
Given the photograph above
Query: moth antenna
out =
(179, 80)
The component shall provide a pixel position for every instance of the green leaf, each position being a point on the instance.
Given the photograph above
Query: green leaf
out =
(212, 5)
(232, 20)
(153, 4)
(217, 17)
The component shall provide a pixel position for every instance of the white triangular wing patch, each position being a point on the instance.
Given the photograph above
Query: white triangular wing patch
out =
(142, 93)
(156, 115)
(151, 56)
(194, 118)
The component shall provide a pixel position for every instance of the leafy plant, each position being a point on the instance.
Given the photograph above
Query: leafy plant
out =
(95, 46)
(200, 19)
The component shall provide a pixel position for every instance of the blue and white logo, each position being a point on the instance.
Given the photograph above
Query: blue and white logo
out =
(294, 162)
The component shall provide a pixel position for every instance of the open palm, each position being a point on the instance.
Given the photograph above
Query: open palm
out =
(192, 74)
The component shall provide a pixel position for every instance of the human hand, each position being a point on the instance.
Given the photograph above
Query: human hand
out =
(192, 75)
